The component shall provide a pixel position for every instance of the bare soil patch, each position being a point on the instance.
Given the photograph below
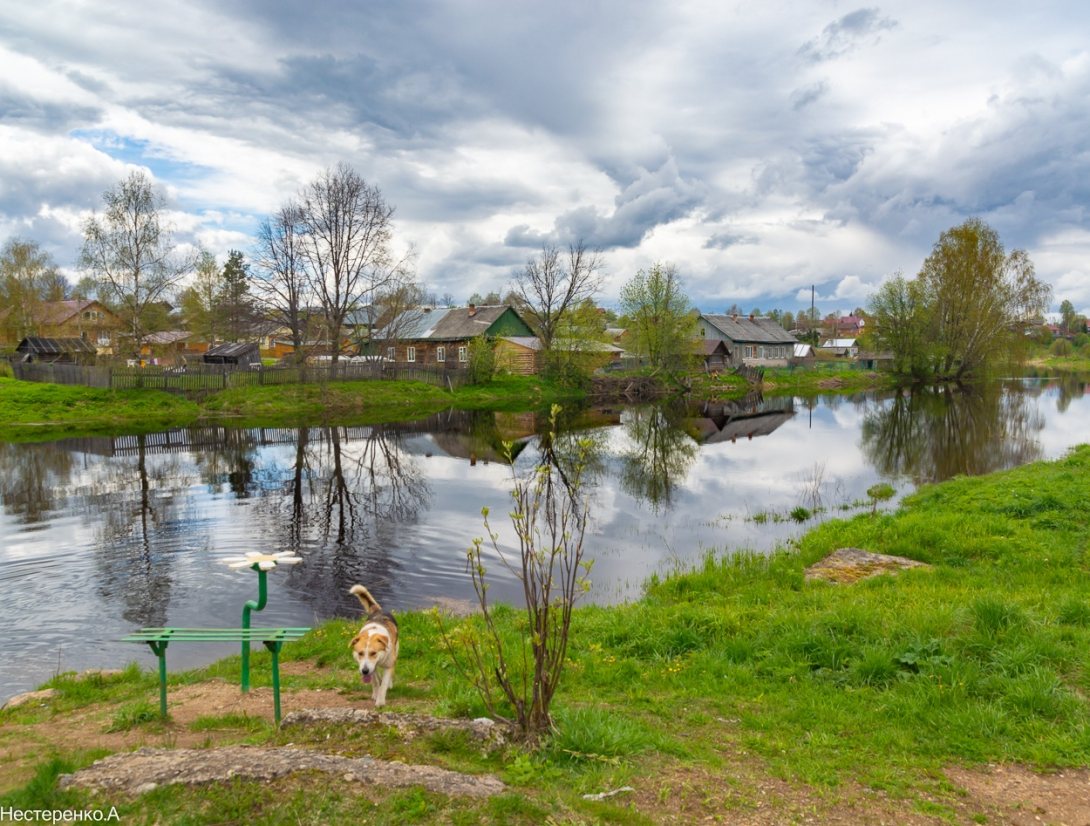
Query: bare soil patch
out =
(1018, 796)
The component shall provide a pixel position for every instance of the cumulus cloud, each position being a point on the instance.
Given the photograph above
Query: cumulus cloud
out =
(846, 34)
(702, 133)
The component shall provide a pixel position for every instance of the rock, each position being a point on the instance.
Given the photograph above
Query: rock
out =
(30, 697)
(147, 768)
(407, 725)
(846, 565)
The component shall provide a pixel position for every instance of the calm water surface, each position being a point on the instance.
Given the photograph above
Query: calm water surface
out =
(100, 536)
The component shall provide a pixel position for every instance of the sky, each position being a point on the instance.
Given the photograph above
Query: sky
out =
(761, 148)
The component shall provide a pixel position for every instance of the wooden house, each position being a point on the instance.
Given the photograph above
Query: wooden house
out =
(752, 341)
(90, 320)
(427, 336)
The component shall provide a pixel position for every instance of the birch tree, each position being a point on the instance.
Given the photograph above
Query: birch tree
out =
(130, 251)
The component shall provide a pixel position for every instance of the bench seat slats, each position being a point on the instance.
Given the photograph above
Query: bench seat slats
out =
(214, 634)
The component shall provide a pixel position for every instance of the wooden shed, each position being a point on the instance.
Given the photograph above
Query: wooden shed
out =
(240, 354)
(519, 355)
(55, 350)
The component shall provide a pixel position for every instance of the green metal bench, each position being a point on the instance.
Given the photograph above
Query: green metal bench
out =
(273, 639)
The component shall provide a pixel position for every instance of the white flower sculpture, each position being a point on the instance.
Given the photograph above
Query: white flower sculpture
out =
(265, 562)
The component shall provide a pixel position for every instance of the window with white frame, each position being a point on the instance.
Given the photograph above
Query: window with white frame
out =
(410, 354)
(391, 353)
(440, 354)
(463, 354)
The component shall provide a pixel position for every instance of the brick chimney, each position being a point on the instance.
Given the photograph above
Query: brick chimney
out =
(472, 310)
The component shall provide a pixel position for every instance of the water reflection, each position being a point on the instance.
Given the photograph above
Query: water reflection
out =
(931, 434)
(659, 455)
(138, 522)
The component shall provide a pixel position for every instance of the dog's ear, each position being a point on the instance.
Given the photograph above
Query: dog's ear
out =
(353, 641)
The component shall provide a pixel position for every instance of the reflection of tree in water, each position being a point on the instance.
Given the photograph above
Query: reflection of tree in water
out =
(229, 460)
(341, 507)
(138, 507)
(659, 455)
(31, 477)
(931, 434)
(1070, 388)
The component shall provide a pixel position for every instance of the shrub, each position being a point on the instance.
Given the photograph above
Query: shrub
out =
(1060, 347)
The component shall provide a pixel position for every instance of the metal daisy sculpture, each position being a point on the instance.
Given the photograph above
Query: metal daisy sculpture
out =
(262, 563)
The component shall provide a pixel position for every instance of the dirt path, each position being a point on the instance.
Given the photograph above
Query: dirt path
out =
(742, 792)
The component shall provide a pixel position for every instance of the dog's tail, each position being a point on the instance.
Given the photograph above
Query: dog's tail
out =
(369, 603)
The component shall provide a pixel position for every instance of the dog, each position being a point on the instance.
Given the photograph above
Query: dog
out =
(375, 646)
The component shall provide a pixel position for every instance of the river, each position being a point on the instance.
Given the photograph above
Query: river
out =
(99, 536)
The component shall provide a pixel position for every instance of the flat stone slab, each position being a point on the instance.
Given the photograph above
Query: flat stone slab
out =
(146, 769)
(845, 565)
(28, 697)
(407, 725)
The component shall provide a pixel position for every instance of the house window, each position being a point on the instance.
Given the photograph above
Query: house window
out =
(440, 354)
(391, 353)
(410, 353)
(463, 354)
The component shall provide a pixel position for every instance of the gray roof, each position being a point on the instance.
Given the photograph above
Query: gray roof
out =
(711, 346)
(233, 349)
(443, 324)
(529, 342)
(744, 328)
(53, 346)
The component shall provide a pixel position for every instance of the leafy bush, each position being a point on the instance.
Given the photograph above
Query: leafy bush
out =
(1060, 347)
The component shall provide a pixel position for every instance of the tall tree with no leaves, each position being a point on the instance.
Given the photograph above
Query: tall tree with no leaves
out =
(129, 249)
(25, 277)
(280, 283)
(551, 284)
(346, 235)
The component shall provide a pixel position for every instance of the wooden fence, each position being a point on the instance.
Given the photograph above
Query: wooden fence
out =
(209, 378)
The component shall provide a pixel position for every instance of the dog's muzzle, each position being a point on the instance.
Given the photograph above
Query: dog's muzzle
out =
(365, 676)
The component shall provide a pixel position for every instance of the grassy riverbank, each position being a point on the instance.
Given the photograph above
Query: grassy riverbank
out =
(31, 411)
(733, 690)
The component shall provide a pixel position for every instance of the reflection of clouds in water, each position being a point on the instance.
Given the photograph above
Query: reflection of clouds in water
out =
(415, 551)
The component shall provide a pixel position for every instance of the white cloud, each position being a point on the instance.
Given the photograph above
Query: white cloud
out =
(759, 148)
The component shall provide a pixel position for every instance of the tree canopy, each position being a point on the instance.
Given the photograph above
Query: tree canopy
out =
(970, 304)
(660, 322)
(129, 249)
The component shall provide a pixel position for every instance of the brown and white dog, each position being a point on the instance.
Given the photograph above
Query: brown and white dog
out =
(375, 646)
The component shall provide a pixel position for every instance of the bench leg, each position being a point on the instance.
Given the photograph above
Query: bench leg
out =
(274, 649)
(160, 651)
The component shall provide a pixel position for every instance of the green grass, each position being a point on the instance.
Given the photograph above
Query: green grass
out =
(826, 377)
(983, 658)
(29, 410)
(32, 412)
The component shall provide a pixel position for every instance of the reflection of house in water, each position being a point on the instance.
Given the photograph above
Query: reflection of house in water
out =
(745, 418)
(479, 436)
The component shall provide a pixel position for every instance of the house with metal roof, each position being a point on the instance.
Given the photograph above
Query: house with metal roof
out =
(843, 347)
(440, 336)
(752, 341)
